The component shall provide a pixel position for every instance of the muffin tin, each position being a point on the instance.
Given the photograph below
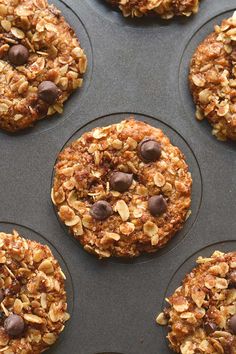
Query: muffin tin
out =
(138, 67)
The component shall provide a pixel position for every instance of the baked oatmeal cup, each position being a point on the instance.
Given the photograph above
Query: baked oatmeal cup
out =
(122, 190)
(166, 9)
(213, 80)
(41, 62)
(32, 296)
(201, 315)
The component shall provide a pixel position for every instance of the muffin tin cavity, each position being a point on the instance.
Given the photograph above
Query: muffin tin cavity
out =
(189, 264)
(76, 98)
(177, 140)
(186, 99)
(30, 234)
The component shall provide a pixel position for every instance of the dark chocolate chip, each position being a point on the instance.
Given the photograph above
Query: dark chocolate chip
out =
(42, 108)
(157, 205)
(101, 210)
(14, 325)
(232, 324)
(18, 55)
(210, 327)
(48, 92)
(149, 150)
(120, 181)
(1, 295)
(232, 280)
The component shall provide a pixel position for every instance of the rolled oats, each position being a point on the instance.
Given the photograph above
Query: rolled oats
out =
(164, 8)
(199, 311)
(212, 80)
(55, 55)
(44, 313)
(82, 180)
(122, 208)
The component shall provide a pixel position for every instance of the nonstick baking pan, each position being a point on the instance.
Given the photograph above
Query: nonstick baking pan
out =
(136, 67)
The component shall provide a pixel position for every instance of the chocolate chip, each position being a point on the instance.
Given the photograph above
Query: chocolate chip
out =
(232, 280)
(149, 150)
(48, 92)
(120, 181)
(157, 205)
(232, 324)
(1, 295)
(42, 108)
(14, 325)
(210, 327)
(101, 210)
(18, 55)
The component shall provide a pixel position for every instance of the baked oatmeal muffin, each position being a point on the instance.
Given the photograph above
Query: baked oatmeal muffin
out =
(122, 190)
(32, 296)
(41, 62)
(213, 79)
(164, 8)
(202, 312)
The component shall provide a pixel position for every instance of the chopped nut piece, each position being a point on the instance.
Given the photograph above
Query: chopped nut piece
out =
(99, 133)
(161, 319)
(38, 255)
(159, 180)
